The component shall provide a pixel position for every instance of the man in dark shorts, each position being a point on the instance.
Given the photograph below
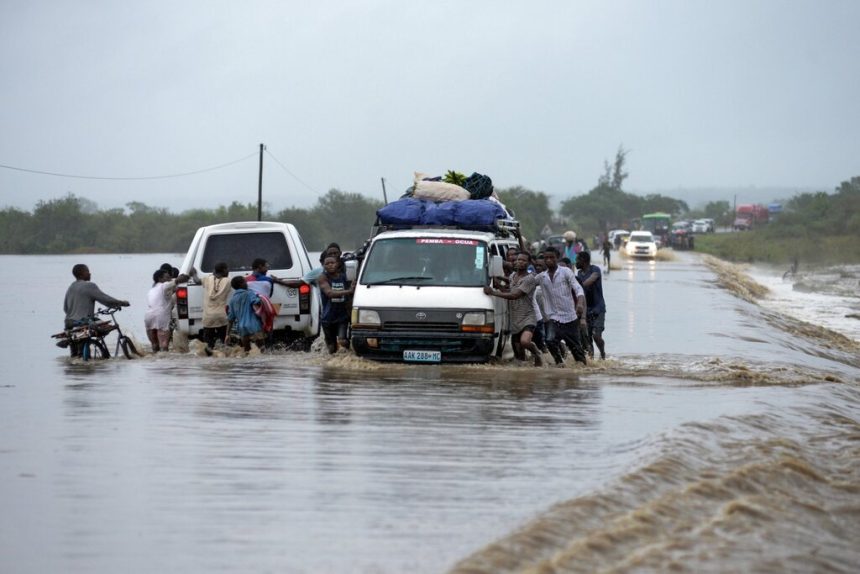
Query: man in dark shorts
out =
(540, 309)
(565, 303)
(592, 283)
(336, 293)
(521, 308)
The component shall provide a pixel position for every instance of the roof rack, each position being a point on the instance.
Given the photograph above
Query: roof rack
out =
(509, 226)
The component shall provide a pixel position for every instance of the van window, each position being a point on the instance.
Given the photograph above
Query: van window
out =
(238, 250)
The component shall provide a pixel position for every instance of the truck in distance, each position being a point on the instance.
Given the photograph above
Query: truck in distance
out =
(750, 215)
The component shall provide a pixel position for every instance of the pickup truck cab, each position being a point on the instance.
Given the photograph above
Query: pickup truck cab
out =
(238, 244)
(419, 296)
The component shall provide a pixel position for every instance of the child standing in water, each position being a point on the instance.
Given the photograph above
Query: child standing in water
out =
(336, 293)
(242, 315)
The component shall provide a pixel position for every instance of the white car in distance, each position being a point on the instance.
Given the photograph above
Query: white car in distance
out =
(622, 233)
(700, 226)
(641, 244)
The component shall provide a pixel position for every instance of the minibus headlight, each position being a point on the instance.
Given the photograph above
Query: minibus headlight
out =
(475, 318)
(478, 322)
(365, 318)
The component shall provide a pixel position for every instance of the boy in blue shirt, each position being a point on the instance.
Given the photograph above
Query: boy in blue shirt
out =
(242, 314)
(336, 294)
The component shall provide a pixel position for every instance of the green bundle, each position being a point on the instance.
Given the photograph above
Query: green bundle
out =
(454, 177)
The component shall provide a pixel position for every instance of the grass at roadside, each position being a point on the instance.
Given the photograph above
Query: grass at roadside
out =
(757, 246)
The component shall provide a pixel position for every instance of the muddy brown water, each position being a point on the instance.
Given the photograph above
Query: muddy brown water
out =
(721, 435)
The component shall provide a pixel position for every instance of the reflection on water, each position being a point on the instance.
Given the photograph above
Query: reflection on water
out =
(714, 425)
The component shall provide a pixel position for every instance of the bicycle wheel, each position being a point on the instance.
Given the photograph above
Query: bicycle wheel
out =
(94, 349)
(128, 348)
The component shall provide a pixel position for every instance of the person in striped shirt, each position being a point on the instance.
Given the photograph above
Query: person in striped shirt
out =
(521, 308)
(565, 303)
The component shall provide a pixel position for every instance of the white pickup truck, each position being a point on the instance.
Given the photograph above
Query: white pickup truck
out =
(238, 244)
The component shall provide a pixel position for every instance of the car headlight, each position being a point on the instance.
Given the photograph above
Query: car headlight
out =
(365, 318)
(478, 318)
(478, 322)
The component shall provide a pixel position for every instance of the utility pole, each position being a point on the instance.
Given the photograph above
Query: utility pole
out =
(384, 195)
(260, 187)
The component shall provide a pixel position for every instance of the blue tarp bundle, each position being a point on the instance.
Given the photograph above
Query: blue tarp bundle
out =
(444, 213)
(406, 211)
(469, 213)
(479, 212)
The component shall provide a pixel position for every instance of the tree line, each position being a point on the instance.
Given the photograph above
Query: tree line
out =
(74, 224)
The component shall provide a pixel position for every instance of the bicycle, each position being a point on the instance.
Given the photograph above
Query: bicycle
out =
(123, 341)
(86, 339)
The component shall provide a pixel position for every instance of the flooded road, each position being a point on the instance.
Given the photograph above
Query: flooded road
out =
(720, 435)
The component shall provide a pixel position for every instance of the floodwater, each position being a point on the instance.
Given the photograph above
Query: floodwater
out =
(722, 434)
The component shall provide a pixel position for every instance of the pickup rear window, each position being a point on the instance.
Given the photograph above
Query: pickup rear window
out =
(238, 250)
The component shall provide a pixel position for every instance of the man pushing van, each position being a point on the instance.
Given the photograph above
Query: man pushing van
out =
(565, 301)
(521, 307)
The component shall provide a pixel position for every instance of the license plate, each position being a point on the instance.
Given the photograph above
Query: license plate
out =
(423, 356)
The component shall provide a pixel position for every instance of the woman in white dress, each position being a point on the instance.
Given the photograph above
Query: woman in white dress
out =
(160, 303)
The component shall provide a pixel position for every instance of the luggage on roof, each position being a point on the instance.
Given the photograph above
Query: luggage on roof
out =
(454, 186)
(441, 214)
(439, 191)
(479, 186)
(405, 211)
(478, 213)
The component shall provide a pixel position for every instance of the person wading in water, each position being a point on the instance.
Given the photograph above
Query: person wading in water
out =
(521, 306)
(565, 302)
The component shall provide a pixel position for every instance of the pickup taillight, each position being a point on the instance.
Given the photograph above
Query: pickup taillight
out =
(305, 299)
(182, 302)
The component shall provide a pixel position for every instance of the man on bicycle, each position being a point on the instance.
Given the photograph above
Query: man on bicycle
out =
(81, 298)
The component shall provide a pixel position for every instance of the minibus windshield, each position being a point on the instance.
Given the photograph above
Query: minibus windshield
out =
(426, 261)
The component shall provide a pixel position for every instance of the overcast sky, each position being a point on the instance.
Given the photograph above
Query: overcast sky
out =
(703, 93)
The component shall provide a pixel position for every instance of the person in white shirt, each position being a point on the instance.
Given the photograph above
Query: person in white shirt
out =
(216, 294)
(565, 303)
(159, 304)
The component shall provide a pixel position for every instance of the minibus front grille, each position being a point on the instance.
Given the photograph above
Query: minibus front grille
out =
(421, 326)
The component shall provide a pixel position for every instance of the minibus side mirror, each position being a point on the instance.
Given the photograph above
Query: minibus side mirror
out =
(351, 269)
(497, 268)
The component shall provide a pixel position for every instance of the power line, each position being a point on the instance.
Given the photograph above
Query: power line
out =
(130, 178)
(294, 176)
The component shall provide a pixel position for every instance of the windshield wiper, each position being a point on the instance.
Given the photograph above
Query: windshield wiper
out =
(397, 279)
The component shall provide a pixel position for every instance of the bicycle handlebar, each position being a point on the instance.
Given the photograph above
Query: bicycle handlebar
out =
(108, 310)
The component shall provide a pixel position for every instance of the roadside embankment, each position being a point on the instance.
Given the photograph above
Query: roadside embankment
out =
(762, 246)
(734, 277)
